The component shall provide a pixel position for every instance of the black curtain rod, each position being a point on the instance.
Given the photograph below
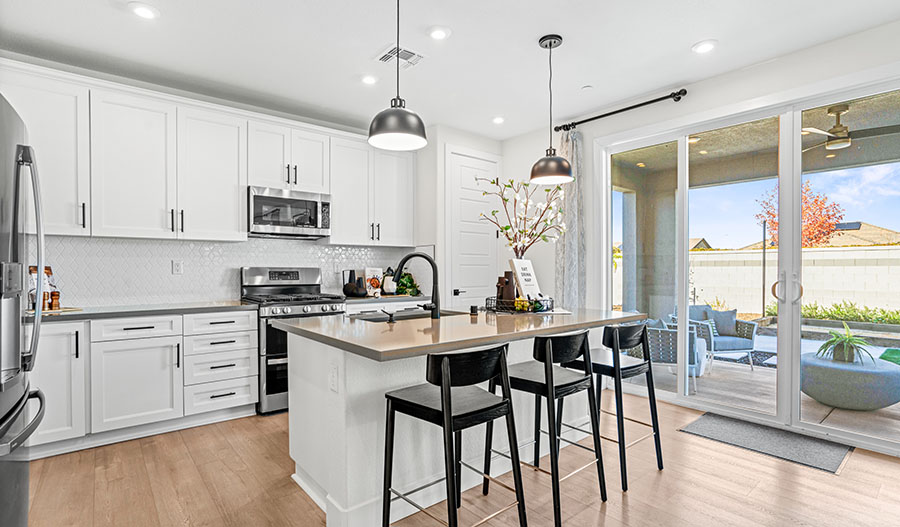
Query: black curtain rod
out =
(675, 96)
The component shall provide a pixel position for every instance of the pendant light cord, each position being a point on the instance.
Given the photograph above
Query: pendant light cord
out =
(550, 86)
(398, 49)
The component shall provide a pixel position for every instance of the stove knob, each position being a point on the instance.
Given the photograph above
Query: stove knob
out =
(276, 310)
(307, 309)
(324, 308)
(286, 310)
(334, 307)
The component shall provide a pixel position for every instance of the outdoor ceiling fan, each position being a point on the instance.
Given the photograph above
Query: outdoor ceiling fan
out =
(839, 136)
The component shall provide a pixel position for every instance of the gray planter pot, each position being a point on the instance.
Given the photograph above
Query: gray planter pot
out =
(864, 385)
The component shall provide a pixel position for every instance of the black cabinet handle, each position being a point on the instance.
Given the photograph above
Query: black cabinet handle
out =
(172, 214)
(84, 215)
(177, 354)
(218, 322)
(220, 342)
(182, 220)
(77, 351)
(216, 396)
(220, 366)
(372, 236)
(295, 174)
(379, 232)
(137, 328)
(289, 174)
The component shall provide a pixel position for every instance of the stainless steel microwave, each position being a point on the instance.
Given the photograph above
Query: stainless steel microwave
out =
(283, 213)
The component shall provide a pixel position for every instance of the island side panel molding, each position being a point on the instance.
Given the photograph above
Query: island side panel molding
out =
(337, 438)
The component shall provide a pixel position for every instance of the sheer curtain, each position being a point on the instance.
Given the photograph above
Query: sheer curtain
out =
(570, 250)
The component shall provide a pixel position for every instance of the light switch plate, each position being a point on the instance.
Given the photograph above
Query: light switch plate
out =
(177, 267)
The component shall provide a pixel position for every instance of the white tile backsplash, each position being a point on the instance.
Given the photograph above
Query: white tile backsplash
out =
(117, 271)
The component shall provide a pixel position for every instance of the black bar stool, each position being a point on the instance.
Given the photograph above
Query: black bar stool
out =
(543, 378)
(621, 366)
(452, 401)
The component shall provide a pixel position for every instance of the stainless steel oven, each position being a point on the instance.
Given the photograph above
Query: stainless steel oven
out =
(277, 212)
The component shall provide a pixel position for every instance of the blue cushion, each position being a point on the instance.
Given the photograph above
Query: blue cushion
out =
(726, 321)
(699, 312)
(655, 323)
(732, 343)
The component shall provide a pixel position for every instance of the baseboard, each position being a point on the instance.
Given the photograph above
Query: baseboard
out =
(135, 432)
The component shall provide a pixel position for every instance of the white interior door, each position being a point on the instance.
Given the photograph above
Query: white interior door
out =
(473, 245)
(212, 176)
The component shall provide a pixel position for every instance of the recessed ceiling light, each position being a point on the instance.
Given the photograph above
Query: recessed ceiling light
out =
(693, 140)
(704, 46)
(703, 152)
(587, 87)
(829, 156)
(439, 32)
(369, 79)
(143, 10)
(498, 120)
(641, 165)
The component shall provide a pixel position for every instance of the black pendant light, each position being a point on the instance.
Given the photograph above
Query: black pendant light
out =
(551, 169)
(397, 128)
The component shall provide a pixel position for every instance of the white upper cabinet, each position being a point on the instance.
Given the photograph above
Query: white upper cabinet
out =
(60, 372)
(351, 173)
(288, 158)
(212, 175)
(309, 162)
(56, 117)
(133, 183)
(269, 156)
(393, 195)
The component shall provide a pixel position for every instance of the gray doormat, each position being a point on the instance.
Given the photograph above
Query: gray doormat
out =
(809, 451)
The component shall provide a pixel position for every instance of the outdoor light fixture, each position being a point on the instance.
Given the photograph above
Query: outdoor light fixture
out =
(551, 169)
(397, 128)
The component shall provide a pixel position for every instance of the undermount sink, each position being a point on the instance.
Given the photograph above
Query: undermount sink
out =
(403, 315)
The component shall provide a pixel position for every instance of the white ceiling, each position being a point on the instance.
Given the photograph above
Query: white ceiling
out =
(307, 57)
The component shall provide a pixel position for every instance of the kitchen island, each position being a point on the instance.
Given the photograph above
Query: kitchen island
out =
(339, 371)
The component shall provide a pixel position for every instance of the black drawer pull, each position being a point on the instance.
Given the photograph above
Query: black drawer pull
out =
(232, 365)
(138, 328)
(218, 322)
(220, 342)
(216, 396)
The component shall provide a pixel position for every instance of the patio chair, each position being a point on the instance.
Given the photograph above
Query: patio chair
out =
(742, 341)
(664, 350)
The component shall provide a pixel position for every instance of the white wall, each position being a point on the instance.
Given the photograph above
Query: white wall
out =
(871, 54)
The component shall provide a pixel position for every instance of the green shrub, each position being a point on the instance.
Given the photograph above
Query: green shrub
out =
(846, 311)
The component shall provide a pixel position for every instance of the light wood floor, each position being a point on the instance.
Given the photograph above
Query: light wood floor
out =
(237, 473)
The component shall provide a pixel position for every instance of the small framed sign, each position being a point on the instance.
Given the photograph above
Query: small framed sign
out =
(526, 279)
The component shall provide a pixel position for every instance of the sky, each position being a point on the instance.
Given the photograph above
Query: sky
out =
(724, 215)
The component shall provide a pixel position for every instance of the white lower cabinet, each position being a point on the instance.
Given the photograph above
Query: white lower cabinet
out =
(134, 382)
(210, 367)
(219, 395)
(59, 372)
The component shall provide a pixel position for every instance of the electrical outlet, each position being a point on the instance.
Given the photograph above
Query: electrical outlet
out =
(177, 267)
(333, 378)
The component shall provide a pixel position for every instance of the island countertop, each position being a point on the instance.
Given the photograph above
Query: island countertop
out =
(381, 341)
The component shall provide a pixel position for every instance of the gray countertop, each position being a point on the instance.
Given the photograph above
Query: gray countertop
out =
(381, 341)
(91, 313)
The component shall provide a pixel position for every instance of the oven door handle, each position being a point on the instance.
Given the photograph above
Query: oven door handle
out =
(275, 362)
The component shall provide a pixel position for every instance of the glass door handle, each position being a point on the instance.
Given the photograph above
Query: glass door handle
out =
(781, 280)
(799, 285)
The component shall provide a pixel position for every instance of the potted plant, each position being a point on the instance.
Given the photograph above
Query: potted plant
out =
(525, 220)
(845, 347)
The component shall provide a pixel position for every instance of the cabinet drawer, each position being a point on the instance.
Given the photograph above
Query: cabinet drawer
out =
(228, 321)
(217, 342)
(135, 328)
(217, 395)
(220, 366)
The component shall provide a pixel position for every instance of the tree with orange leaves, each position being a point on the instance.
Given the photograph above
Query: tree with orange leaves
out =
(818, 215)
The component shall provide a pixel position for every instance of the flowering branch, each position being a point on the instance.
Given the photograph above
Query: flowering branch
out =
(527, 221)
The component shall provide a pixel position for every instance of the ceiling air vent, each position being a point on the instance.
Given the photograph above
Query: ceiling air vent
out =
(408, 58)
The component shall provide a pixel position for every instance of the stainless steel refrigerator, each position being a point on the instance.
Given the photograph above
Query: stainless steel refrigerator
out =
(18, 171)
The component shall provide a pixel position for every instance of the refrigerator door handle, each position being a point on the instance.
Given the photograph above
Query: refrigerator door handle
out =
(25, 433)
(25, 156)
